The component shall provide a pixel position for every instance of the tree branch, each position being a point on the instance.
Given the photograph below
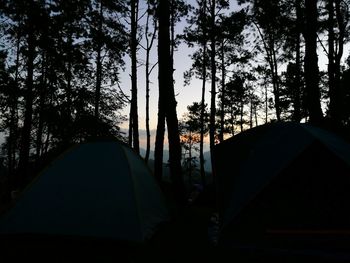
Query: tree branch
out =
(323, 47)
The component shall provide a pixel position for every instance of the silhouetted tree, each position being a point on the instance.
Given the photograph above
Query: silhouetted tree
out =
(133, 119)
(234, 100)
(191, 128)
(33, 10)
(167, 105)
(310, 62)
(345, 86)
(271, 21)
(57, 51)
(337, 23)
(230, 40)
(197, 33)
(108, 44)
(150, 37)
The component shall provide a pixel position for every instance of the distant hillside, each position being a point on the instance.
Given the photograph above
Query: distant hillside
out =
(207, 163)
(151, 154)
(166, 171)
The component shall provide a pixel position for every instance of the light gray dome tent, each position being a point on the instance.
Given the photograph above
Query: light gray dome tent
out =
(94, 190)
(283, 179)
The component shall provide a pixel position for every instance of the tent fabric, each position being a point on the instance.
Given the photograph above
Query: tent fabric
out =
(255, 163)
(96, 189)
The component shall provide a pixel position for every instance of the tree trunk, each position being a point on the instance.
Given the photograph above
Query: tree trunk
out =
(331, 70)
(11, 153)
(149, 44)
(256, 115)
(167, 94)
(42, 98)
(67, 113)
(311, 63)
(98, 67)
(223, 75)
(204, 76)
(269, 46)
(133, 109)
(241, 114)
(251, 112)
(266, 104)
(298, 83)
(276, 84)
(213, 80)
(27, 123)
(190, 157)
(337, 67)
(159, 144)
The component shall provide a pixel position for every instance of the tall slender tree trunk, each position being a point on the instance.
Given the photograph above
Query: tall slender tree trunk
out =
(269, 46)
(241, 114)
(166, 89)
(251, 112)
(27, 123)
(190, 158)
(223, 76)
(213, 80)
(232, 120)
(159, 144)
(172, 31)
(68, 116)
(42, 98)
(134, 123)
(11, 153)
(337, 59)
(266, 104)
(98, 66)
(204, 78)
(311, 63)
(298, 83)
(149, 44)
(276, 84)
(331, 66)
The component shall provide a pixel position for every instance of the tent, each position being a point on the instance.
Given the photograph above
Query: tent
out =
(283, 180)
(95, 190)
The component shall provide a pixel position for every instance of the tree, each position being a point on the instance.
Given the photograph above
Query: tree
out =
(191, 128)
(10, 88)
(234, 99)
(133, 121)
(292, 47)
(337, 22)
(150, 37)
(31, 24)
(212, 37)
(189, 141)
(310, 62)
(298, 83)
(167, 105)
(9, 108)
(108, 44)
(345, 85)
(230, 40)
(197, 33)
(293, 91)
(60, 56)
(269, 19)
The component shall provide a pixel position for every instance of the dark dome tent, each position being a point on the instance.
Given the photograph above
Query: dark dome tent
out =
(283, 185)
(100, 191)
